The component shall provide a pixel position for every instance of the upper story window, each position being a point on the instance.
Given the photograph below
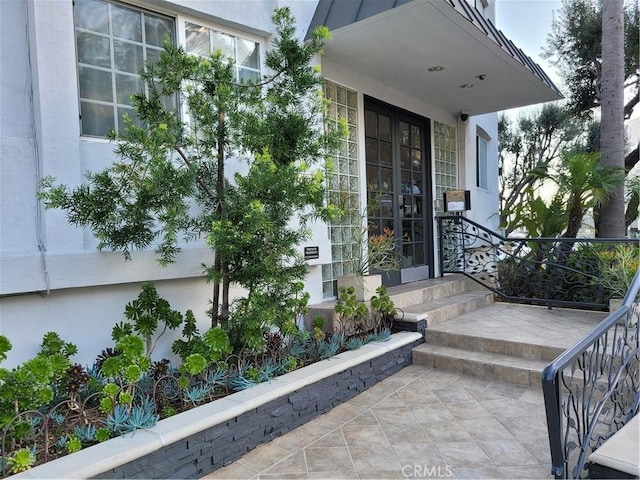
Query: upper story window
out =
(481, 163)
(113, 41)
(245, 53)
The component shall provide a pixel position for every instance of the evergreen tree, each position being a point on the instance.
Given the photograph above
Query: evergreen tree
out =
(169, 180)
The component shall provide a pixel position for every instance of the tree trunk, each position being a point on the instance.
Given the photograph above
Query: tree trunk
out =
(216, 314)
(612, 214)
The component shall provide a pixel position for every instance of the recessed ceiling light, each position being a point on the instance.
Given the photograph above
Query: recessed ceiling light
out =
(436, 68)
(466, 85)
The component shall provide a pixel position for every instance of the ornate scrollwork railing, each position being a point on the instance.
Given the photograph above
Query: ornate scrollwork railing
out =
(593, 389)
(541, 271)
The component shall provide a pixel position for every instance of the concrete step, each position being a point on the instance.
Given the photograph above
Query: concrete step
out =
(485, 365)
(493, 344)
(416, 293)
(426, 302)
(439, 309)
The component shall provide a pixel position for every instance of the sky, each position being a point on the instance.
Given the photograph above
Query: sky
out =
(527, 24)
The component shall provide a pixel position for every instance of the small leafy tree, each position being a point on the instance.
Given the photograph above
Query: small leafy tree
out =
(145, 314)
(165, 164)
(30, 384)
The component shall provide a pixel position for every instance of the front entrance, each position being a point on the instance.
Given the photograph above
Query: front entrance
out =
(398, 193)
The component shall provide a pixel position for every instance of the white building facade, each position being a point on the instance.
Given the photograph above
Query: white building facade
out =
(418, 81)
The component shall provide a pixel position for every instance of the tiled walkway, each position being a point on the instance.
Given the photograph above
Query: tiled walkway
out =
(428, 423)
(419, 423)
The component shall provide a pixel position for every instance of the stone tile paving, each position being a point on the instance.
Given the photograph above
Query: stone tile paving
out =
(418, 423)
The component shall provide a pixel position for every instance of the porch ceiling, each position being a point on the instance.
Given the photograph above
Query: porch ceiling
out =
(396, 42)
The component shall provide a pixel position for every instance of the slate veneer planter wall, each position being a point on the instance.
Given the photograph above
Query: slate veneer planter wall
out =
(199, 441)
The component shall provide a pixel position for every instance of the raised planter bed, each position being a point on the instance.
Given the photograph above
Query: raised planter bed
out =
(199, 441)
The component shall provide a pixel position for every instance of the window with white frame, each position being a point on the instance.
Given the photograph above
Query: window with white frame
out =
(481, 161)
(112, 43)
(245, 53)
(114, 40)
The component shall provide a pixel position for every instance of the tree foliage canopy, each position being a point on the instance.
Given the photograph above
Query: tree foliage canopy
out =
(575, 47)
(172, 178)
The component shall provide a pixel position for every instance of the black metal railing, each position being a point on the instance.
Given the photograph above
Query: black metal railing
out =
(561, 272)
(593, 389)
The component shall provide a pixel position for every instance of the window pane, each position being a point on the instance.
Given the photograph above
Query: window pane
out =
(197, 40)
(415, 136)
(126, 23)
(127, 56)
(224, 42)
(97, 120)
(386, 206)
(170, 103)
(405, 157)
(351, 98)
(92, 15)
(385, 153)
(127, 85)
(369, 123)
(110, 74)
(95, 84)
(407, 253)
(247, 54)
(372, 177)
(418, 229)
(248, 76)
(384, 127)
(371, 150)
(405, 179)
(386, 180)
(155, 29)
(416, 156)
(131, 113)
(153, 55)
(482, 162)
(352, 116)
(94, 50)
(404, 133)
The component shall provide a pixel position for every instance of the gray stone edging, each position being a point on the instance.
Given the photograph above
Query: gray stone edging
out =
(198, 441)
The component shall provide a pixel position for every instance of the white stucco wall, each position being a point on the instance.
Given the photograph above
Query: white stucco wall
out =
(17, 148)
(484, 202)
(86, 316)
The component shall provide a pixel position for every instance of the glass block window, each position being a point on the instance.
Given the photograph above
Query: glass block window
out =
(245, 53)
(343, 186)
(112, 42)
(446, 162)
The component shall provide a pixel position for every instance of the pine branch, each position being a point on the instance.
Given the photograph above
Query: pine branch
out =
(201, 182)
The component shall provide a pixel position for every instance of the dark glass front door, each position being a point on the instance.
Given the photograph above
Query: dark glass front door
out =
(398, 194)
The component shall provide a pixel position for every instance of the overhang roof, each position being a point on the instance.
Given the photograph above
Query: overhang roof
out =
(395, 42)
